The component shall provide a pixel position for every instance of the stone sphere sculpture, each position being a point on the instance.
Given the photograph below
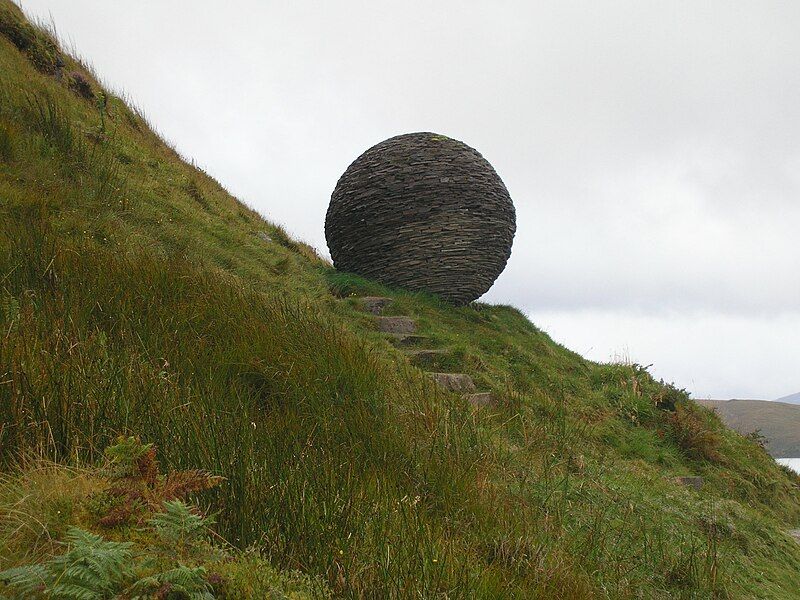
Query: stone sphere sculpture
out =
(423, 212)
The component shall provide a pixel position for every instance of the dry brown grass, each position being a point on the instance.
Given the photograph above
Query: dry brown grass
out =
(37, 504)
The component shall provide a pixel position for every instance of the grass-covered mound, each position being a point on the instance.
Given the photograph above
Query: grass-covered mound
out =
(138, 298)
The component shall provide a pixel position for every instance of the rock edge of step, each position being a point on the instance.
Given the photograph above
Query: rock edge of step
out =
(424, 354)
(689, 481)
(405, 340)
(374, 304)
(454, 382)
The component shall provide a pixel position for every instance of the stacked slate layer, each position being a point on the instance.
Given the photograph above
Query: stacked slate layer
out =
(423, 212)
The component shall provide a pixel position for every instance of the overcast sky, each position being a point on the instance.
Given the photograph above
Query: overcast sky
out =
(652, 149)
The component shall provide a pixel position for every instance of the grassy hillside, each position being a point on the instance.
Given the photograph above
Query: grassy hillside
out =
(138, 298)
(777, 422)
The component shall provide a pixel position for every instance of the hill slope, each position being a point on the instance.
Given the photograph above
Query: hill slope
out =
(790, 399)
(138, 297)
(778, 422)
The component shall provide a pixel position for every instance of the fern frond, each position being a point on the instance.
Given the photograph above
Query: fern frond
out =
(180, 582)
(92, 568)
(179, 484)
(74, 591)
(26, 582)
(129, 457)
(179, 523)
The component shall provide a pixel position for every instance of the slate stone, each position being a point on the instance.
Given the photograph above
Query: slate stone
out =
(374, 304)
(426, 354)
(454, 382)
(423, 212)
(404, 340)
(693, 482)
(396, 325)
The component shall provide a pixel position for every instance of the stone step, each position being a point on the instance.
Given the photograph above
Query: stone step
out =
(693, 482)
(795, 533)
(425, 354)
(374, 304)
(454, 382)
(405, 340)
(431, 359)
(396, 324)
(480, 399)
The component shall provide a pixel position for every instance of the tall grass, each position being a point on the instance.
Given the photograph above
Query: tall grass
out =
(293, 410)
(337, 462)
(82, 155)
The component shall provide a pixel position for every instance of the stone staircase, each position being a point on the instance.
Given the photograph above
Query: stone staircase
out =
(402, 331)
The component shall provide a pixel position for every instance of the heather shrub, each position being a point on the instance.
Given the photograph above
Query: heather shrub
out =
(80, 84)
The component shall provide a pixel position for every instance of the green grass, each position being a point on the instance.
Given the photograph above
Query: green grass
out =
(138, 297)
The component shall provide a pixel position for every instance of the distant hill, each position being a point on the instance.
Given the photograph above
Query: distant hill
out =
(790, 399)
(779, 422)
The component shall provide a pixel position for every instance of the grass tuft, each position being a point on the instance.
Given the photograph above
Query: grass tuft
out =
(6, 144)
(33, 41)
(694, 432)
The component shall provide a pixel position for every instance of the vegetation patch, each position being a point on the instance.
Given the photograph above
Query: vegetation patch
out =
(81, 85)
(31, 40)
(695, 432)
(168, 553)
